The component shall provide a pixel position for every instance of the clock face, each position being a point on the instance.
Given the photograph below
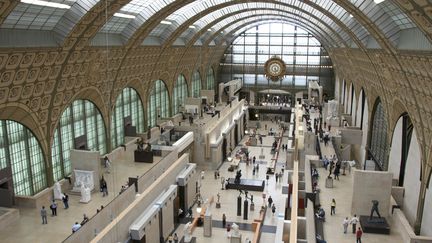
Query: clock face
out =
(275, 69)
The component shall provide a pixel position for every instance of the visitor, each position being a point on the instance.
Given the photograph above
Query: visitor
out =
(359, 235)
(175, 238)
(320, 214)
(228, 228)
(354, 221)
(336, 171)
(333, 207)
(276, 177)
(104, 188)
(253, 160)
(76, 227)
(53, 208)
(273, 208)
(65, 200)
(107, 164)
(170, 239)
(270, 201)
(223, 220)
(85, 219)
(43, 214)
(345, 224)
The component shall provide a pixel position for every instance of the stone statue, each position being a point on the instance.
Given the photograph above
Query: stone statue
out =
(238, 176)
(85, 194)
(187, 232)
(218, 196)
(235, 229)
(374, 209)
(57, 191)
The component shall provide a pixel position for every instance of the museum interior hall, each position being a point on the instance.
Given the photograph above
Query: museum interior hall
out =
(152, 121)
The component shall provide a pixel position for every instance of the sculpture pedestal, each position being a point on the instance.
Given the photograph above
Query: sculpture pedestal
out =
(218, 205)
(375, 225)
(236, 239)
(329, 183)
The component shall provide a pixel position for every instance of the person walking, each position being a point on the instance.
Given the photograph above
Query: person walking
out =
(104, 188)
(359, 235)
(270, 201)
(333, 207)
(223, 220)
(53, 208)
(354, 221)
(65, 200)
(336, 171)
(43, 214)
(175, 238)
(345, 224)
(273, 209)
(276, 177)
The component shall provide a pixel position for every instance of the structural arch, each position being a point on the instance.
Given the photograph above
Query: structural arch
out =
(158, 104)
(180, 92)
(80, 121)
(128, 111)
(21, 152)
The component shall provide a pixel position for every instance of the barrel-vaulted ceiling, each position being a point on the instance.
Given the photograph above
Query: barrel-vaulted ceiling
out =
(337, 23)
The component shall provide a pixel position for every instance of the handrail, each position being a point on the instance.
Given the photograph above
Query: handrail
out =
(294, 202)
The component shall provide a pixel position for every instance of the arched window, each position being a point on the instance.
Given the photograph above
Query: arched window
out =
(196, 84)
(378, 145)
(158, 103)
(82, 117)
(20, 150)
(180, 93)
(128, 103)
(210, 79)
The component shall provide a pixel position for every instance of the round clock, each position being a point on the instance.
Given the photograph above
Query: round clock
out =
(275, 69)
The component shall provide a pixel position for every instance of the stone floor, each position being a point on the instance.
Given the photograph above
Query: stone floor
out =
(30, 229)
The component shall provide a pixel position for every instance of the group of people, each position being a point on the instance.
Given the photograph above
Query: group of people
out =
(333, 165)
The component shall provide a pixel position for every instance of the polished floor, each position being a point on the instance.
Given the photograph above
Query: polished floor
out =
(30, 229)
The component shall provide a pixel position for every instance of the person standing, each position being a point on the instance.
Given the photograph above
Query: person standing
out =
(359, 235)
(345, 224)
(53, 208)
(273, 209)
(354, 221)
(65, 200)
(43, 214)
(333, 207)
(223, 220)
(104, 188)
(270, 201)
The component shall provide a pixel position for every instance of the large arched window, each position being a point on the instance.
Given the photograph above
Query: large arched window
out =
(20, 150)
(158, 103)
(196, 84)
(82, 117)
(303, 54)
(210, 79)
(180, 93)
(379, 145)
(128, 103)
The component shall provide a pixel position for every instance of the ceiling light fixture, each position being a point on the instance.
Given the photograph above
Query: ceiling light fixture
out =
(165, 22)
(192, 27)
(378, 1)
(121, 15)
(46, 4)
(209, 30)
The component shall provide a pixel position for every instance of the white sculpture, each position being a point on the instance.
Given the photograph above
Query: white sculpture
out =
(235, 229)
(332, 109)
(187, 232)
(58, 195)
(83, 177)
(85, 194)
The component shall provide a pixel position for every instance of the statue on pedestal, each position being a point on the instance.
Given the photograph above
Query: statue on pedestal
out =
(235, 229)
(238, 176)
(57, 191)
(85, 194)
(187, 232)
(374, 209)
